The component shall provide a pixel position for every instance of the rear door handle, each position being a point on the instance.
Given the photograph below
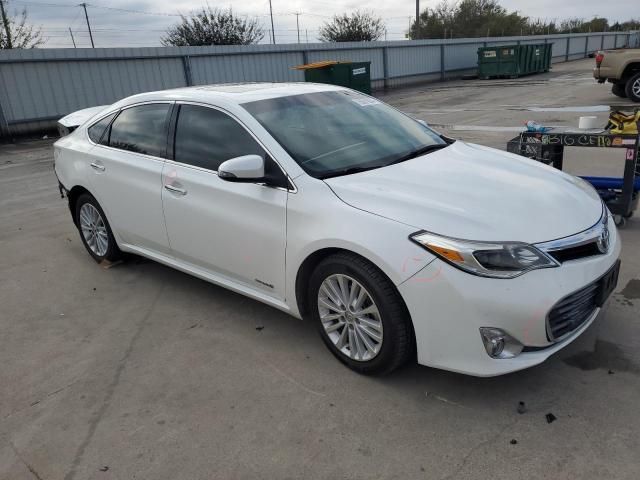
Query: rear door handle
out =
(176, 190)
(97, 166)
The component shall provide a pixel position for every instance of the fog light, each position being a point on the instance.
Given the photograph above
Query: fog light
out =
(499, 344)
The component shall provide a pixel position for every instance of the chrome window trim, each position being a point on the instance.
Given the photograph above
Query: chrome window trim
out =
(241, 123)
(591, 234)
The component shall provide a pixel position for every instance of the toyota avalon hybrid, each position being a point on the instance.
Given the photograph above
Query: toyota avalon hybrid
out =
(397, 242)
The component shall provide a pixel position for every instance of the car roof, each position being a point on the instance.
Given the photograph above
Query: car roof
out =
(237, 93)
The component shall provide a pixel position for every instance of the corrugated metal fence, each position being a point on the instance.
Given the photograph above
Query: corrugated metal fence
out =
(39, 86)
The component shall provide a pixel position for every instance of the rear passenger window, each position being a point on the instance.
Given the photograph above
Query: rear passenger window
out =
(96, 131)
(141, 129)
(206, 137)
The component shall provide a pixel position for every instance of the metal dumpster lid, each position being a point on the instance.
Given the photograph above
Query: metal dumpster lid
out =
(324, 63)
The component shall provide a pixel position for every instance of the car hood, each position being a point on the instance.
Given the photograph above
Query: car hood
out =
(478, 193)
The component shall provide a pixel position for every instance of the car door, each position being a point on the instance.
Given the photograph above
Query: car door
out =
(127, 161)
(234, 230)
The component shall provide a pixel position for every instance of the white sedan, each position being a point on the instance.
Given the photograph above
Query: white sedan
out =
(330, 205)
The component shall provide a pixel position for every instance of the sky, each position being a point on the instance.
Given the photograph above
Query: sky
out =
(137, 23)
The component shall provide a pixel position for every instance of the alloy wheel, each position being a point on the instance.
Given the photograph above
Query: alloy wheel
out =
(350, 317)
(635, 88)
(94, 229)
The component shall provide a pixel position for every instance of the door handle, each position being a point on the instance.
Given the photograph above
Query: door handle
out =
(97, 166)
(176, 190)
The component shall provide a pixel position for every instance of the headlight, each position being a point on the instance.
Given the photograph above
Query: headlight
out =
(487, 259)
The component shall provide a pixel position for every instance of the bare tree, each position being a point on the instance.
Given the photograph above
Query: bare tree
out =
(356, 27)
(213, 27)
(15, 31)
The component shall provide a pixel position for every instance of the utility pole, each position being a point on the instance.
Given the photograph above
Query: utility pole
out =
(5, 23)
(417, 20)
(273, 32)
(84, 5)
(297, 14)
(72, 39)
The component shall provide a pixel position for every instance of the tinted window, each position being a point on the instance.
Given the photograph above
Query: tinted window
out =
(206, 137)
(96, 130)
(141, 129)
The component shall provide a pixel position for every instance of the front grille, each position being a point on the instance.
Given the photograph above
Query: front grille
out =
(574, 253)
(572, 311)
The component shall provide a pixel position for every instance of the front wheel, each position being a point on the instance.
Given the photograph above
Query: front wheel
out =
(95, 232)
(632, 89)
(360, 314)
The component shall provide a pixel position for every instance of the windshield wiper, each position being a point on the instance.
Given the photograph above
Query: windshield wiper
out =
(349, 171)
(418, 152)
(408, 156)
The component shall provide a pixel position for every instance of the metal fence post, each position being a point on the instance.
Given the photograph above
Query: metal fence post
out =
(566, 55)
(442, 66)
(4, 125)
(385, 66)
(186, 66)
(586, 46)
(305, 57)
(602, 42)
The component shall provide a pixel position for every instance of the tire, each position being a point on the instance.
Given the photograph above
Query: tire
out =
(391, 318)
(618, 90)
(632, 89)
(95, 231)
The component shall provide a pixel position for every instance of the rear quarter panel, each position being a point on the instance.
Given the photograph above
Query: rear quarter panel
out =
(70, 159)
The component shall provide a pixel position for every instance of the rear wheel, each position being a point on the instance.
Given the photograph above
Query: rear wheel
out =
(618, 90)
(95, 232)
(632, 88)
(360, 314)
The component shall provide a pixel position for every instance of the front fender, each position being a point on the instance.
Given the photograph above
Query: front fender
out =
(317, 219)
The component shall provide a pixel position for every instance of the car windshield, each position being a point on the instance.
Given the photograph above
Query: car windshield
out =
(342, 132)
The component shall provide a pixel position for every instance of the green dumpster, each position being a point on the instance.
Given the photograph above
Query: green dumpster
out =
(355, 75)
(513, 60)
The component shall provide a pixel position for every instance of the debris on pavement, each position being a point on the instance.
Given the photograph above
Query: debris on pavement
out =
(513, 441)
(442, 399)
(550, 417)
(522, 408)
(259, 327)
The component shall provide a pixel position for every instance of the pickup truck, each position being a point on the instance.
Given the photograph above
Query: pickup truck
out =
(622, 69)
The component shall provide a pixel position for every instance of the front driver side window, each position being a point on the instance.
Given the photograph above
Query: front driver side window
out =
(206, 137)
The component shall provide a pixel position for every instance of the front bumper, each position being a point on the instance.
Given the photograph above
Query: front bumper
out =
(448, 307)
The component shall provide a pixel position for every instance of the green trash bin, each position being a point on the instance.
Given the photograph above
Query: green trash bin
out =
(514, 60)
(355, 75)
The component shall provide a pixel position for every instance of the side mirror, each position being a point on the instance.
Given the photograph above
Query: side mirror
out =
(248, 168)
